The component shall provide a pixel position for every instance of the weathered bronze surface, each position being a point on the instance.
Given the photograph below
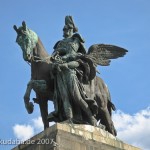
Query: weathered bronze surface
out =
(68, 77)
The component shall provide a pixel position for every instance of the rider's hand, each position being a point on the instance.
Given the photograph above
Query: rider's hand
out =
(63, 66)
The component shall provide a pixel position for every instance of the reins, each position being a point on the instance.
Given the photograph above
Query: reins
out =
(33, 59)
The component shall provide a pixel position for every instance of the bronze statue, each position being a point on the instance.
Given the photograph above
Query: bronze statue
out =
(68, 77)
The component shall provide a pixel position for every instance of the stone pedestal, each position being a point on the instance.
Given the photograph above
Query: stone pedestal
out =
(74, 137)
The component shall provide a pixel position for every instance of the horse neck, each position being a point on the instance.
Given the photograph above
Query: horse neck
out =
(40, 50)
(39, 69)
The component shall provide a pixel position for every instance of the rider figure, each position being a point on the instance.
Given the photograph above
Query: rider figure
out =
(70, 70)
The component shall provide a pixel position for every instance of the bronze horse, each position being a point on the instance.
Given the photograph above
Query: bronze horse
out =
(42, 81)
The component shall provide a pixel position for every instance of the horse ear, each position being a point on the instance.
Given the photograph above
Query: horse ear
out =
(24, 25)
(15, 28)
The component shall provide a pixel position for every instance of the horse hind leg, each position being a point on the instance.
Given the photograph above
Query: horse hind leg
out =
(104, 115)
(103, 100)
(107, 121)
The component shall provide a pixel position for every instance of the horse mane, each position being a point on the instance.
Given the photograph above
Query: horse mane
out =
(40, 49)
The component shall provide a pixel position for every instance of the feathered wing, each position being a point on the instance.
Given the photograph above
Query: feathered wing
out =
(101, 54)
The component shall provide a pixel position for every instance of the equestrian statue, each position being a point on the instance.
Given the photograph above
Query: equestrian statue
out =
(68, 77)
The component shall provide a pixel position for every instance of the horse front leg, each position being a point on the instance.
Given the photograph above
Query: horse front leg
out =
(39, 86)
(44, 112)
(29, 105)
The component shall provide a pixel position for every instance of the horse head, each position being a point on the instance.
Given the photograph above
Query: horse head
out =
(27, 40)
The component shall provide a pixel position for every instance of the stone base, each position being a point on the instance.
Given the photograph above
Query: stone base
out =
(64, 136)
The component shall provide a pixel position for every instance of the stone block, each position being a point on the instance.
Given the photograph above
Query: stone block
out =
(65, 136)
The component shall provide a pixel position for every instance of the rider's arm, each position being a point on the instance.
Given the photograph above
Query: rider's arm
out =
(71, 65)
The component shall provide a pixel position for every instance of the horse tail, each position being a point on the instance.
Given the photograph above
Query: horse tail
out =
(110, 105)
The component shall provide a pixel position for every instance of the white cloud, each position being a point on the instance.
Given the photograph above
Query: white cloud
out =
(134, 129)
(23, 132)
(26, 131)
(37, 124)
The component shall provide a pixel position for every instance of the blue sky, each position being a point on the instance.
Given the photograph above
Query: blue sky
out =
(122, 23)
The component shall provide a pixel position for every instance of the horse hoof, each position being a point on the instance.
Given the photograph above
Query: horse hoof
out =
(30, 107)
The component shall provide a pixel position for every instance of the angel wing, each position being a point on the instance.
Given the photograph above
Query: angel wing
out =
(101, 54)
